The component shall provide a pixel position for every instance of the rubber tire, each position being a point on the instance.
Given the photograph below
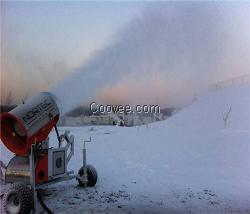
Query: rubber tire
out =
(25, 198)
(92, 176)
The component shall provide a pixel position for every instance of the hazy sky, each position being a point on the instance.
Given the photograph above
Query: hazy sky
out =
(42, 41)
(123, 52)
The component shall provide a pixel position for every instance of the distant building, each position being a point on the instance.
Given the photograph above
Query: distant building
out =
(87, 120)
(81, 117)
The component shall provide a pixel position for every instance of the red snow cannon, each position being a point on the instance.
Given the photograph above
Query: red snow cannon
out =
(24, 131)
(29, 123)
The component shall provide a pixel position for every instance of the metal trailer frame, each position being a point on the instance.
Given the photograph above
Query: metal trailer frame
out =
(62, 177)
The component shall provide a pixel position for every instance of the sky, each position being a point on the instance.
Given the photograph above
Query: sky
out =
(41, 42)
(121, 52)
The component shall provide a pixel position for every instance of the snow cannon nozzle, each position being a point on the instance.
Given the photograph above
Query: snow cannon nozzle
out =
(29, 123)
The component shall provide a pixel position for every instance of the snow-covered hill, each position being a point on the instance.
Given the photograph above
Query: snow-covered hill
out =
(191, 162)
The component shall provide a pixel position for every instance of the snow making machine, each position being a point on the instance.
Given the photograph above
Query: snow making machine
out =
(24, 131)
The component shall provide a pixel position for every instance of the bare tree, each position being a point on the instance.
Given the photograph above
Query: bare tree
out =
(225, 118)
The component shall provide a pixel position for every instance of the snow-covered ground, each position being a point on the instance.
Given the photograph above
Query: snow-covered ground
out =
(191, 162)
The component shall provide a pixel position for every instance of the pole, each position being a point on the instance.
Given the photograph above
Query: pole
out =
(32, 176)
(84, 164)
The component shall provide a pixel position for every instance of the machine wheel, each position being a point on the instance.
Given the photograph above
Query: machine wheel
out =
(92, 176)
(18, 199)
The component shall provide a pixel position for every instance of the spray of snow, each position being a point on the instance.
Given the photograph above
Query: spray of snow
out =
(166, 56)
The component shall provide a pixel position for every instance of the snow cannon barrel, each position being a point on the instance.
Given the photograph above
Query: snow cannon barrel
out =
(29, 123)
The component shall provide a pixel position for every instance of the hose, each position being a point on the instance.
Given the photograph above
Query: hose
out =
(44, 206)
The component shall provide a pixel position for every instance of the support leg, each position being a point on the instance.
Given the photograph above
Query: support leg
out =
(32, 177)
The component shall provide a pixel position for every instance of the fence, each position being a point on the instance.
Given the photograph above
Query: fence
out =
(239, 80)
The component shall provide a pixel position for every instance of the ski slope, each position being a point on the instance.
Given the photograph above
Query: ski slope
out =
(192, 162)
